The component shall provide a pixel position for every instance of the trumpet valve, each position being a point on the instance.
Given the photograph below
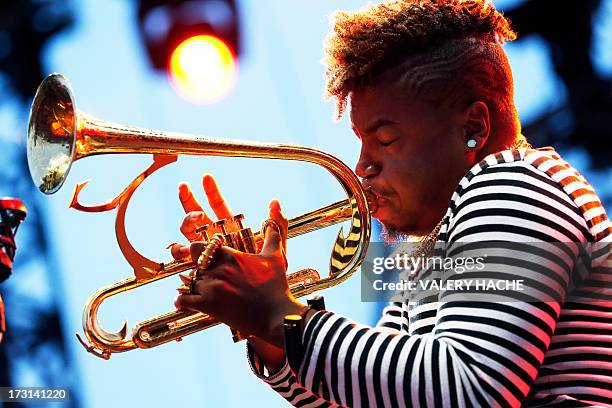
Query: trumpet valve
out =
(221, 225)
(244, 236)
(247, 240)
(238, 220)
(202, 230)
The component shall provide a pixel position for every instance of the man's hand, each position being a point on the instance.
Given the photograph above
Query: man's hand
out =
(196, 217)
(249, 292)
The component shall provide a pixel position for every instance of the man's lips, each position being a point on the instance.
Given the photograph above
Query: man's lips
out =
(376, 191)
(375, 198)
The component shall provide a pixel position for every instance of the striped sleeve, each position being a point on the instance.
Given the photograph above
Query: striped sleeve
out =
(285, 381)
(484, 353)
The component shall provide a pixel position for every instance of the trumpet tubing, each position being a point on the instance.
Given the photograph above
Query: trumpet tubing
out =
(59, 135)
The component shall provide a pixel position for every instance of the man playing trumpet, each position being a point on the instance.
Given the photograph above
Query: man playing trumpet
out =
(430, 93)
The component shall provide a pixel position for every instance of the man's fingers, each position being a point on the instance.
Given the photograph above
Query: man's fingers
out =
(179, 251)
(192, 221)
(222, 256)
(215, 198)
(196, 248)
(276, 214)
(188, 302)
(187, 199)
(207, 293)
(275, 239)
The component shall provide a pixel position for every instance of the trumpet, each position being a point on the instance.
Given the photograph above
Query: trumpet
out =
(59, 135)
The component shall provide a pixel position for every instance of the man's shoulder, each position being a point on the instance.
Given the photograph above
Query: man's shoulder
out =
(531, 166)
(538, 173)
(542, 160)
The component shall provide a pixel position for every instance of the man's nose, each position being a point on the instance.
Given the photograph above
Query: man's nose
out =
(366, 167)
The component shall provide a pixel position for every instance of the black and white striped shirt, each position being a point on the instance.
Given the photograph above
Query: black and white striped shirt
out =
(440, 351)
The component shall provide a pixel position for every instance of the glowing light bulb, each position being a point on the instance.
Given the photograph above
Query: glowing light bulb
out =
(202, 69)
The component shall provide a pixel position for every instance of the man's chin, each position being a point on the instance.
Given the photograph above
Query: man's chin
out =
(392, 236)
(393, 231)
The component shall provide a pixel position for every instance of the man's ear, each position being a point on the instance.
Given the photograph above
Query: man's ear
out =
(476, 126)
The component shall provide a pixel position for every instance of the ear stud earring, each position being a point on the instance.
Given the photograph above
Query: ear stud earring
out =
(471, 143)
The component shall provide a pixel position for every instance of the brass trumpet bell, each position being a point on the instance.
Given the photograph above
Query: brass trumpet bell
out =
(51, 134)
(59, 135)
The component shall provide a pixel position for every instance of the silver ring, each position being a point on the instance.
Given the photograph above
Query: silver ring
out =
(270, 222)
(205, 259)
(208, 254)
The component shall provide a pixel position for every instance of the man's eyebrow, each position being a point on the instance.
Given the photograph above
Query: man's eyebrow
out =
(377, 124)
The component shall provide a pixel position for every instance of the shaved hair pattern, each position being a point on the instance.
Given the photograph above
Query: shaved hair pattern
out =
(423, 44)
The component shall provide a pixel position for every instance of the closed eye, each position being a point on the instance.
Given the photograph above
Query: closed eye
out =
(386, 143)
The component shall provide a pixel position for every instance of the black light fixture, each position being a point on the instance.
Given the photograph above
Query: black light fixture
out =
(165, 24)
(196, 42)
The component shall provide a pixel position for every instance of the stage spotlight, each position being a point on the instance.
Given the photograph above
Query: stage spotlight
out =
(202, 69)
(195, 42)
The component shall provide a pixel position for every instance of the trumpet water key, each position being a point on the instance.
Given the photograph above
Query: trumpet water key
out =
(59, 135)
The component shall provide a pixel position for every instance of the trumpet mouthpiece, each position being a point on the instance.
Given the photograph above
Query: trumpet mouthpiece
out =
(372, 200)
